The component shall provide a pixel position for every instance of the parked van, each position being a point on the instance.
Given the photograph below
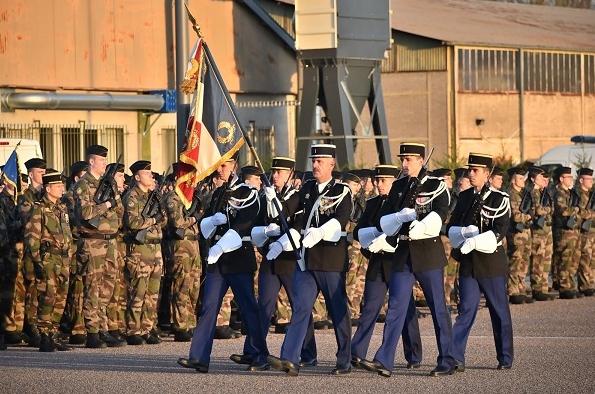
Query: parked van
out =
(582, 150)
(27, 149)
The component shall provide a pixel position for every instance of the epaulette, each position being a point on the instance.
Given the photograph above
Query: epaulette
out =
(499, 192)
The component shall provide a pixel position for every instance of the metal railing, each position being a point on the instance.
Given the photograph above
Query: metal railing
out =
(63, 144)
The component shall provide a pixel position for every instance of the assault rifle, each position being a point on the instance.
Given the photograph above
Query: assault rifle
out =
(586, 225)
(153, 209)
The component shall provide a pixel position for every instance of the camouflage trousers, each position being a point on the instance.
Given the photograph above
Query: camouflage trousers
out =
(52, 290)
(97, 261)
(24, 296)
(319, 311)
(185, 284)
(451, 273)
(355, 279)
(585, 274)
(116, 307)
(224, 315)
(418, 294)
(542, 246)
(75, 300)
(566, 258)
(283, 310)
(519, 253)
(144, 264)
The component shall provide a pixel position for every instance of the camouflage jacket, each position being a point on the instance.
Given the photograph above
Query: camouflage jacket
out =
(48, 231)
(95, 218)
(139, 229)
(563, 207)
(516, 216)
(68, 201)
(25, 204)
(542, 210)
(585, 213)
(177, 219)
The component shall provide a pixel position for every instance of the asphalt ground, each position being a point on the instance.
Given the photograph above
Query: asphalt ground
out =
(554, 353)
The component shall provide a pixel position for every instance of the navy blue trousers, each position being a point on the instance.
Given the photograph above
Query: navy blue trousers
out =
(399, 289)
(494, 289)
(269, 285)
(374, 295)
(306, 285)
(215, 287)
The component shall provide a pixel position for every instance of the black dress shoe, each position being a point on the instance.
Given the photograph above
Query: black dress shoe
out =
(241, 359)
(259, 366)
(375, 366)
(283, 365)
(356, 362)
(504, 366)
(308, 363)
(442, 371)
(413, 365)
(193, 364)
(341, 370)
(459, 366)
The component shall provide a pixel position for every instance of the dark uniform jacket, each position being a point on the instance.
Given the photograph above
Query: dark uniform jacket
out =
(286, 261)
(380, 264)
(490, 212)
(427, 195)
(241, 220)
(336, 203)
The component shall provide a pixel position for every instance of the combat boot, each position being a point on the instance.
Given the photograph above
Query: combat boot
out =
(152, 338)
(2, 342)
(13, 337)
(77, 339)
(46, 344)
(110, 341)
(60, 344)
(135, 340)
(224, 332)
(95, 342)
(517, 299)
(32, 336)
(182, 336)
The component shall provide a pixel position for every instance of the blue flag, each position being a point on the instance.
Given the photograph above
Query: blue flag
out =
(10, 172)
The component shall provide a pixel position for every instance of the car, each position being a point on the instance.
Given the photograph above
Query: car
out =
(27, 149)
(581, 153)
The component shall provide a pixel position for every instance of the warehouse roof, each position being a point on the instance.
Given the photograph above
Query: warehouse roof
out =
(490, 23)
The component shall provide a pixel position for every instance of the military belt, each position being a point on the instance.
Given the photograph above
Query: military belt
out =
(244, 239)
(99, 236)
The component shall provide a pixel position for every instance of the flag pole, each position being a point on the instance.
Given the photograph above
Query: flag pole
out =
(230, 104)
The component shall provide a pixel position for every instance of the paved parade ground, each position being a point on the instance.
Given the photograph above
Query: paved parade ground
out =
(554, 352)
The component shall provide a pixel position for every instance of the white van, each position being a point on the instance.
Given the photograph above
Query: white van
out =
(27, 149)
(582, 150)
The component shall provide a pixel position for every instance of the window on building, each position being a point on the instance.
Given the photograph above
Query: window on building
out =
(552, 72)
(590, 74)
(487, 70)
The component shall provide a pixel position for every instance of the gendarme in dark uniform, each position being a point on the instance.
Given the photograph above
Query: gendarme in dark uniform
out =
(416, 208)
(232, 213)
(476, 229)
(376, 284)
(278, 267)
(327, 207)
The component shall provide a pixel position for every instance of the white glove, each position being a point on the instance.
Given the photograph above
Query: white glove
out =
(391, 223)
(417, 230)
(379, 244)
(312, 236)
(484, 243)
(272, 230)
(470, 231)
(219, 219)
(428, 227)
(366, 235)
(274, 251)
(270, 193)
(215, 252)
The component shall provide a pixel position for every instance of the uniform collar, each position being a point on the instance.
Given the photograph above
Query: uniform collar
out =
(322, 185)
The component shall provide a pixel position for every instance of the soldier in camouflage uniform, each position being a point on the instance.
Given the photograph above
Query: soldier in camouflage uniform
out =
(144, 260)
(358, 264)
(23, 314)
(541, 243)
(97, 249)
(519, 236)
(566, 234)
(186, 268)
(116, 307)
(586, 284)
(48, 241)
(73, 321)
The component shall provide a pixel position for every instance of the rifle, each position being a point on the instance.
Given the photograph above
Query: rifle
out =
(586, 225)
(105, 191)
(572, 220)
(526, 203)
(193, 211)
(545, 201)
(152, 208)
